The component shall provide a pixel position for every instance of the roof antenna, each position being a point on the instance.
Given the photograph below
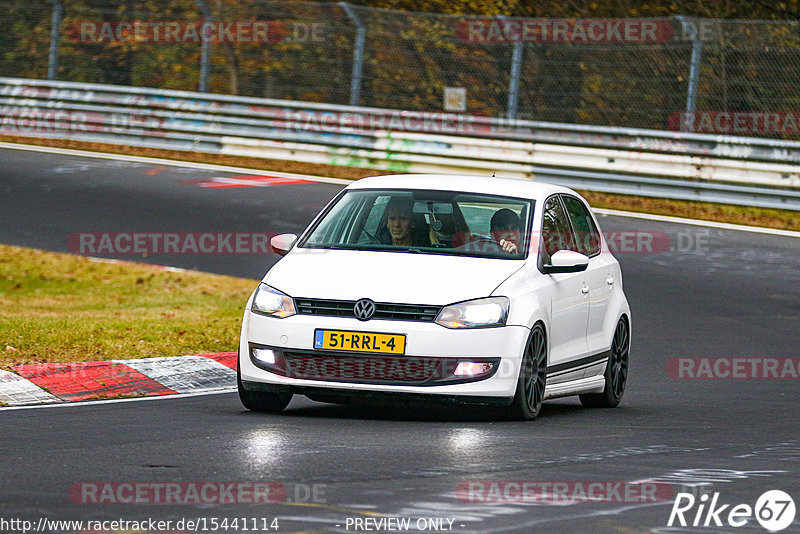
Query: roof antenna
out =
(493, 174)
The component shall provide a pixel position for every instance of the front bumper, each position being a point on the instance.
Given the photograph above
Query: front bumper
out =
(424, 342)
(341, 396)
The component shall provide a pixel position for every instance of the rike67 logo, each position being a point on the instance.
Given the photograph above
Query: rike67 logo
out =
(774, 510)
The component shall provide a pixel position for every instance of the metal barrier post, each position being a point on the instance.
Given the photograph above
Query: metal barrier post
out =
(513, 86)
(205, 48)
(694, 72)
(513, 83)
(55, 30)
(358, 54)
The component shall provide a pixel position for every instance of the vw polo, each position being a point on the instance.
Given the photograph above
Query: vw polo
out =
(442, 288)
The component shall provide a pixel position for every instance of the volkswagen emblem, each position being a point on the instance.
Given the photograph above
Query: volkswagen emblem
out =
(364, 309)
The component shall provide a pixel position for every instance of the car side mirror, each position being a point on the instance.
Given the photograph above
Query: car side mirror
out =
(566, 261)
(283, 243)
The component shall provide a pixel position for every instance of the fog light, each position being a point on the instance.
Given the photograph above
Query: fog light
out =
(472, 369)
(264, 355)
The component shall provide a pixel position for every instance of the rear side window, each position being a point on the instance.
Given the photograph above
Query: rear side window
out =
(587, 238)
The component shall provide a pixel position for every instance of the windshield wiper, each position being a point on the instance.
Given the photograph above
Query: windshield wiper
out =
(384, 248)
(330, 247)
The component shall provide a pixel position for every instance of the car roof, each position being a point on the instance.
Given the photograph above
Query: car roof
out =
(512, 187)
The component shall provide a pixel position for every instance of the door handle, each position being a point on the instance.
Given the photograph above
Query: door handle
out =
(585, 289)
(610, 280)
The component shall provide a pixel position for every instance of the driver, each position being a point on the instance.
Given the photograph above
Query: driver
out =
(405, 228)
(504, 228)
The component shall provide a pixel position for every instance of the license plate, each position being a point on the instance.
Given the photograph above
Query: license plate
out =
(360, 341)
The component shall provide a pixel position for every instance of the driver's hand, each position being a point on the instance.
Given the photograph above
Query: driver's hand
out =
(508, 246)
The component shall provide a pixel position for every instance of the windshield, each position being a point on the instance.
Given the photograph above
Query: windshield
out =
(421, 221)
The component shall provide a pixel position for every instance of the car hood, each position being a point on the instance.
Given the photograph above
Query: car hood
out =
(435, 279)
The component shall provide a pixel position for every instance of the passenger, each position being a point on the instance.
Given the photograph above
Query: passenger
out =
(504, 228)
(404, 227)
(452, 230)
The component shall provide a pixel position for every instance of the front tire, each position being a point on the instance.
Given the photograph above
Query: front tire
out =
(261, 401)
(532, 378)
(616, 374)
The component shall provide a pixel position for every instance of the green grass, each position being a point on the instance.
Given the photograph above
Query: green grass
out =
(707, 211)
(63, 308)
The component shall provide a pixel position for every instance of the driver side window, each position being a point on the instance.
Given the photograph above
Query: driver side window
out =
(372, 224)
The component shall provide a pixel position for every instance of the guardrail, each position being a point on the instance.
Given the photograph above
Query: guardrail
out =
(738, 170)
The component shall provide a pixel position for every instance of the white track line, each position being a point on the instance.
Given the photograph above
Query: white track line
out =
(116, 401)
(170, 162)
(322, 179)
(698, 222)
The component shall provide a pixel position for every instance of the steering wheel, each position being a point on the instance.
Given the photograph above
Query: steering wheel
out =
(372, 239)
(485, 242)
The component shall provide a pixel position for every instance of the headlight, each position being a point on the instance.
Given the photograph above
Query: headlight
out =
(270, 301)
(492, 311)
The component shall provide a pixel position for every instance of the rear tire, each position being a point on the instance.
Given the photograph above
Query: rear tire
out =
(261, 401)
(616, 374)
(532, 378)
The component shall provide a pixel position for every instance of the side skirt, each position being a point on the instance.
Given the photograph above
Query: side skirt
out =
(593, 384)
(579, 386)
(578, 365)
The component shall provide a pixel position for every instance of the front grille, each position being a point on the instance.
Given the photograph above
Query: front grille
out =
(370, 369)
(344, 308)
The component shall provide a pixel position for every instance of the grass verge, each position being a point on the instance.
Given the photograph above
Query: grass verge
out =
(706, 211)
(769, 218)
(65, 308)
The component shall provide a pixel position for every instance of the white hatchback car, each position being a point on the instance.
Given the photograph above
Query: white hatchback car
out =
(440, 288)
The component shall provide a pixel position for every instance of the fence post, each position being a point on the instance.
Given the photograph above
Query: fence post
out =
(513, 85)
(358, 54)
(205, 47)
(55, 31)
(694, 72)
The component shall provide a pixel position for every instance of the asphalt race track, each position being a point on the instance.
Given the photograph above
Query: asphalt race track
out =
(707, 293)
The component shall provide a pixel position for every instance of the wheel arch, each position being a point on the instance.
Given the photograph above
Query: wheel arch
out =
(626, 316)
(546, 337)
